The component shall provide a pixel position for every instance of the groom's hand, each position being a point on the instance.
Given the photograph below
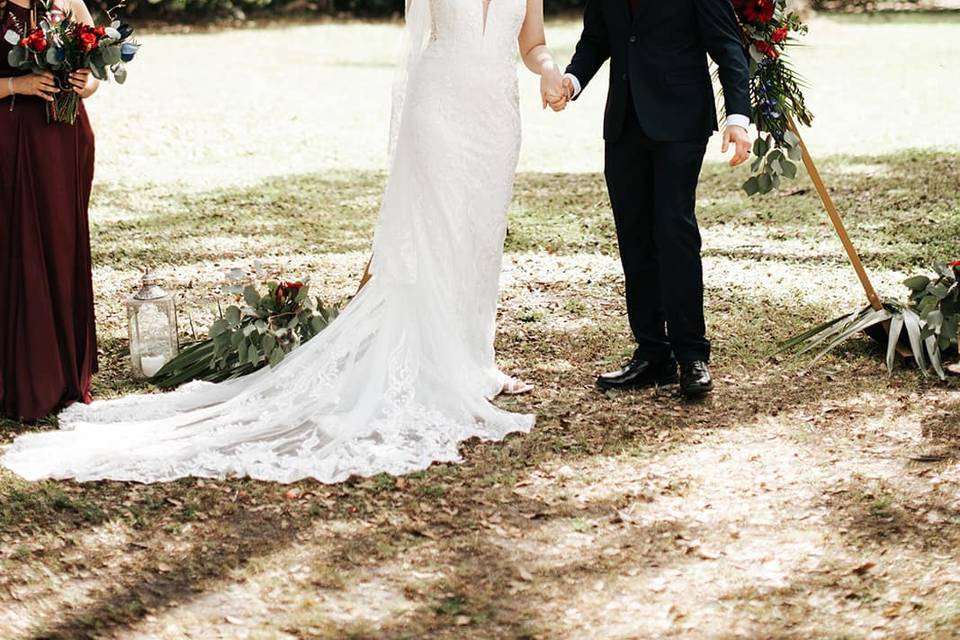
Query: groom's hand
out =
(738, 136)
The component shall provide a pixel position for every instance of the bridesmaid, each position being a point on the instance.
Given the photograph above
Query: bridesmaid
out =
(48, 350)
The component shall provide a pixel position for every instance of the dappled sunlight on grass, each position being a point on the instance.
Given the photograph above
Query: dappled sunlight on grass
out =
(271, 116)
(791, 503)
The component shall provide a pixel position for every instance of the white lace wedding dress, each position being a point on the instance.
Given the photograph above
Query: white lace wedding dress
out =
(405, 373)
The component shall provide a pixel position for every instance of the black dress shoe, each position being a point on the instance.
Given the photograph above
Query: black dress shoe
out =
(639, 374)
(695, 380)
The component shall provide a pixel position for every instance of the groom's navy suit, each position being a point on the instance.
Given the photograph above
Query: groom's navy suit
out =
(660, 113)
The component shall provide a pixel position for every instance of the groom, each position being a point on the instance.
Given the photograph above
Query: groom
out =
(660, 113)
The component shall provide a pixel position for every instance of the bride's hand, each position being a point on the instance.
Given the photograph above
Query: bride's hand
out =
(551, 89)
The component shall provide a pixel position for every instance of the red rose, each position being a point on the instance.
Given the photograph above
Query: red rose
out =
(755, 11)
(766, 49)
(88, 41)
(36, 41)
(101, 32)
(780, 35)
(288, 290)
(955, 264)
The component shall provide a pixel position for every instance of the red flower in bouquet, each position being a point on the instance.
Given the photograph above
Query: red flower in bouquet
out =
(755, 11)
(36, 41)
(780, 35)
(69, 45)
(88, 38)
(766, 49)
(287, 291)
(955, 264)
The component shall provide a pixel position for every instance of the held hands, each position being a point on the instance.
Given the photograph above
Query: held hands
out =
(553, 89)
(737, 136)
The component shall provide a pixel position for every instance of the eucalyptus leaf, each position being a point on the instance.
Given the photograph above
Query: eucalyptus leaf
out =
(938, 290)
(269, 343)
(120, 73)
(761, 147)
(250, 296)
(16, 57)
(917, 283)
(218, 327)
(276, 357)
(111, 55)
(765, 183)
(233, 315)
(789, 169)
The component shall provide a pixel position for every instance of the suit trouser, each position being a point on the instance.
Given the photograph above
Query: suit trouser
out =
(653, 190)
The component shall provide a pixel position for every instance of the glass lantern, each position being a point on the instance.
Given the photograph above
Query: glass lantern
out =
(152, 325)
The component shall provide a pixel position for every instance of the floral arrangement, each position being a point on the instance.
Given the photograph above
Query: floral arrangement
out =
(61, 45)
(257, 332)
(937, 301)
(929, 320)
(776, 90)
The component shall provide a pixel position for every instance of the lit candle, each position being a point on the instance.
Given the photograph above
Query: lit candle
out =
(151, 364)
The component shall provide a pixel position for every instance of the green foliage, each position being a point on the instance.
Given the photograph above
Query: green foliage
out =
(929, 322)
(248, 337)
(776, 92)
(937, 303)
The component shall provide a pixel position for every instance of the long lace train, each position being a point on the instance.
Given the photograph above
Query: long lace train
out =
(406, 372)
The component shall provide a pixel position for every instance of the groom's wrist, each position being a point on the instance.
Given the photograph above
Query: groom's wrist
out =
(738, 120)
(576, 84)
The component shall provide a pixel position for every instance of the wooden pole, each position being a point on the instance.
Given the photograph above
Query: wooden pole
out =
(841, 229)
(837, 221)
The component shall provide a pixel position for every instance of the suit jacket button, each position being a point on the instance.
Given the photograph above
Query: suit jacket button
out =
(633, 39)
(623, 77)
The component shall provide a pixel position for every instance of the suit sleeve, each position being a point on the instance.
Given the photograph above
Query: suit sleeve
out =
(721, 33)
(594, 46)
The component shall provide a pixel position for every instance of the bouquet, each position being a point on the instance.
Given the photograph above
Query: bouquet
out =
(61, 45)
(776, 90)
(249, 336)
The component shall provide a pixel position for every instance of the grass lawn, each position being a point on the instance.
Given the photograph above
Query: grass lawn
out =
(792, 504)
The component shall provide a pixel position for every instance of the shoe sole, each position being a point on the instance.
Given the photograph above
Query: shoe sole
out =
(662, 382)
(699, 393)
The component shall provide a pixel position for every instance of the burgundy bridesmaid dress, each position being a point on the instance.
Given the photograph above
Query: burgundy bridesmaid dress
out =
(48, 351)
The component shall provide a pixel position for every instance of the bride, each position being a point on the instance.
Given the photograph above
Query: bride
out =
(407, 372)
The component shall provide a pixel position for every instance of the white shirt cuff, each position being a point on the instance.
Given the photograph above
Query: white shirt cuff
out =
(737, 120)
(576, 84)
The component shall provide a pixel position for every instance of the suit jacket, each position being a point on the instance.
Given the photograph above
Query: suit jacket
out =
(659, 58)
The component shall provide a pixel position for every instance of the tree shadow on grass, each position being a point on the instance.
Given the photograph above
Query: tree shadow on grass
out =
(576, 423)
(903, 212)
(171, 579)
